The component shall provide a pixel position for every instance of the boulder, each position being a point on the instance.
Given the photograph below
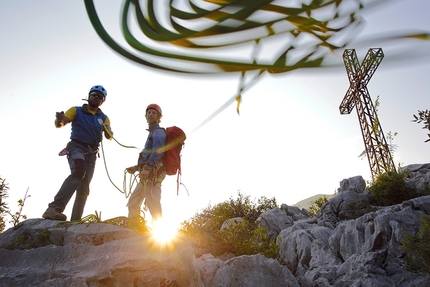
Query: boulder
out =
(418, 175)
(39, 253)
(351, 201)
(253, 271)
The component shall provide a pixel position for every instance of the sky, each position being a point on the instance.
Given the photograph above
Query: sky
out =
(289, 140)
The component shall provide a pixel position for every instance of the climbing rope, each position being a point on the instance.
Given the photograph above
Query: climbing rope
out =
(134, 179)
(131, 182)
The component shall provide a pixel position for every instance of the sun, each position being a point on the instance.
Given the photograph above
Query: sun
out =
(164, 232)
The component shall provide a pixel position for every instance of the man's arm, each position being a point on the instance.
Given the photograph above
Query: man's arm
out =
(107, 129)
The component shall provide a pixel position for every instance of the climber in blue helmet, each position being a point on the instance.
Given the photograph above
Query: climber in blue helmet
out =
(88, 124)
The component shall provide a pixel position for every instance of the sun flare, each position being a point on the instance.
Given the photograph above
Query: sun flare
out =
(164, 232)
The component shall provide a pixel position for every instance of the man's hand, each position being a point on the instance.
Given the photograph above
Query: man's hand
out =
(108, 132)
(60, 119)
(131, 169)
(144, 174)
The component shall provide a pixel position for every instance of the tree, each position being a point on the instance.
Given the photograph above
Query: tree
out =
(423, 116)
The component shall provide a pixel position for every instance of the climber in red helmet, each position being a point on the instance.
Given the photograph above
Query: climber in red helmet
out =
(149, 163)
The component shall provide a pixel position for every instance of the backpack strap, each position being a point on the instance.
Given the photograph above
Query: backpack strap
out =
(162, 168)
(177, 182)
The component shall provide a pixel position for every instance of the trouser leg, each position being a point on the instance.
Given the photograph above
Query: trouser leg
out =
(135, 201)
(153, 201)
(70, 184)
(83, 191)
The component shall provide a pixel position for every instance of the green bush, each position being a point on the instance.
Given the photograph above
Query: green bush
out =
(315, 206)
(417, 248)
(26, 240)
(390, 188)
(239, 238)
(354, 210)
(246, 238)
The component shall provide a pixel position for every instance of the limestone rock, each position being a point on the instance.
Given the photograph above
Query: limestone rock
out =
(346, 244)
(350, 202)
(253, 271)
(275, 220)
(94, 255)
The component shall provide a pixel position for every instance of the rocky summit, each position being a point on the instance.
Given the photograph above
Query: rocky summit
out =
(339, 247)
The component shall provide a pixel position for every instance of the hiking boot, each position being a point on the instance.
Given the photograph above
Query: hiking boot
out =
(54, 213)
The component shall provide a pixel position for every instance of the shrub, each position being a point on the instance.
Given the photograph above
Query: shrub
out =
(16, 218)
(25, 240)
(315, 206)
(390, 188)
(4, 209)
(354, 210)
(417, 248)
(239, 238)
(246, 238)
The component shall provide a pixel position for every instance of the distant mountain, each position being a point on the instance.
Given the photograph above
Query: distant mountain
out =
(305, 203)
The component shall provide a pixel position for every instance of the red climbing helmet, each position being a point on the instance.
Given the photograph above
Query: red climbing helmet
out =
(155, 107)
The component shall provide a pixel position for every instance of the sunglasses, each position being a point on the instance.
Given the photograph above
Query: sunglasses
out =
(98, 96)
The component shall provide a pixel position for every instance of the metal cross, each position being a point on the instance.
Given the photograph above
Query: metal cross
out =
(377, 150)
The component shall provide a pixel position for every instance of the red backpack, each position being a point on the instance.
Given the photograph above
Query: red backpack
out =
(175, 138)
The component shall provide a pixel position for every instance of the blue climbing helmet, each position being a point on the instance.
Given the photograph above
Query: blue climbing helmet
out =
(98, 89)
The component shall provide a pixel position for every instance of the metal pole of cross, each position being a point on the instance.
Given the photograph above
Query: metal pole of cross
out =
(376, 147)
